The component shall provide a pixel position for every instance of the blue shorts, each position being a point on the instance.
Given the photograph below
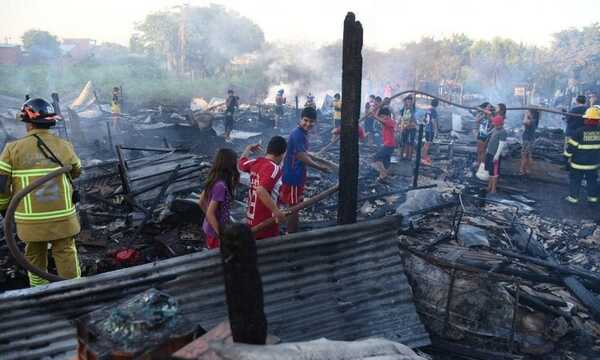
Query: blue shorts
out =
(384, 155)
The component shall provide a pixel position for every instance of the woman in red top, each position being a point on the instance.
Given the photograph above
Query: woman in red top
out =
(382, 158)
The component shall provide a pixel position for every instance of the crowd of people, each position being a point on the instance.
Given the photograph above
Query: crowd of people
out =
(287, 161)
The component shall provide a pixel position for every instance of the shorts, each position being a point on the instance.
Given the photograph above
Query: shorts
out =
(212, 242)
(481, 137)
(291, 194)
(337, 122)
(429, 136)
(527, 147)
(407, 138)
(384, 155)
(369, 125)
(493, 167)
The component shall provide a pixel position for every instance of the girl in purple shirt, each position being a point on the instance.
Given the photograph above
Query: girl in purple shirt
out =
(218, 192)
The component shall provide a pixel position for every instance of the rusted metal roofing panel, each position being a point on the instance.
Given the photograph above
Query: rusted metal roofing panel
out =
(343, 283)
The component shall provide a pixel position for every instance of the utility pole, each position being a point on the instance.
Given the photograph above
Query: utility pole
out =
(351, 103)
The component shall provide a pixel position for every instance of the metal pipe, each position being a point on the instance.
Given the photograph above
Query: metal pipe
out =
(10, 218)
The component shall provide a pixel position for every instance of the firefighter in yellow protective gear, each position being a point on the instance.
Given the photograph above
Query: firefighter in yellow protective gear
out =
(115, 106)
(583, 152)
(47, 215)
(337, 111)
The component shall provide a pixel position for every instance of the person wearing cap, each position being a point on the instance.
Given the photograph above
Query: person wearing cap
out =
(337, 110)
(280, 101)
(295, 162)
(231, 105)
(46, 217)
(583, 152)
(495, 144)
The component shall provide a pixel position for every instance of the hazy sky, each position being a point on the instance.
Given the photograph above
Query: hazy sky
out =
(386, 23)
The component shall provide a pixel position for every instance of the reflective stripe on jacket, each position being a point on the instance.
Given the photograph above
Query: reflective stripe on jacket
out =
(583, 148)
(22, 162)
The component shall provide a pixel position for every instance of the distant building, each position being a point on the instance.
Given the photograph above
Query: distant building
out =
(10, 54)
(77, 50)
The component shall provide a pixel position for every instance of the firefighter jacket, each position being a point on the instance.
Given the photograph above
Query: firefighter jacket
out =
(337, 109)
(47, 213)
(583, 148)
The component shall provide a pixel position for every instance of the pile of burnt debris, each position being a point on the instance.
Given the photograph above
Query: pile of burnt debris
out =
(511, 275)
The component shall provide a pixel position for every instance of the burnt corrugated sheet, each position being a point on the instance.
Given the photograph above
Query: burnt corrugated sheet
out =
(342, 283)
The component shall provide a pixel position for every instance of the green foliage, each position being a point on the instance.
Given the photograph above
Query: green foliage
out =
(199, 39)
(41, 44)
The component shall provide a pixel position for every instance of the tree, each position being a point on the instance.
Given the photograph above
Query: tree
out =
(202, 40)
(41, 44)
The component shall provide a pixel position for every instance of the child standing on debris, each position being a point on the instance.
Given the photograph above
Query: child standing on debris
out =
(280, 101)
(530, 124)
(431, 126)
(369, 119)
(265, 172)
(383, 156)
(337, 110)
(296, 160)
(484, 127)
(407, 128)
(217, 195)
(495, 145)
(231, 104)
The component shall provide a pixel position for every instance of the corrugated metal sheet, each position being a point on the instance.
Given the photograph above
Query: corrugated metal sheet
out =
(343, 283)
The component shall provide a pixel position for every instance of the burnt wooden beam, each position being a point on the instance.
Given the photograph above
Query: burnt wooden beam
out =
(351, 86)
(243, 285)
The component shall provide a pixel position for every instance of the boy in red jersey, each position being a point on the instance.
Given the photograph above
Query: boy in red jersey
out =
(265, 172)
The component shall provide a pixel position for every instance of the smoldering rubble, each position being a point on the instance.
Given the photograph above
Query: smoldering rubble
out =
(511, 275)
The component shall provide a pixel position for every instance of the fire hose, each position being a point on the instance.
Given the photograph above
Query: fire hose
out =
(306, 203)
(538, 108)
(9, 221)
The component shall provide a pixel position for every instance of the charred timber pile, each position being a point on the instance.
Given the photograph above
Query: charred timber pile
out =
(486, 287)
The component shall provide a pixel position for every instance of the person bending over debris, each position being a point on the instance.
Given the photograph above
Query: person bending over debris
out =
(531, 122)
(215, 199)
(431, 126)
(495, 145)
(294, 165)
(407, 128)
(280, 101)
(382, 157)
(231, 104)
(47, 215)
(337, 110)
(583, 151)
(484, 127)
(265, 172)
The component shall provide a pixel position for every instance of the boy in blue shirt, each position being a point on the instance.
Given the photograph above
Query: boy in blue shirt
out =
(296, 160)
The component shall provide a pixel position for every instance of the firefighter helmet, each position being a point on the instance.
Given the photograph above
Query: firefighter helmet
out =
(592, 113)
(38, 111)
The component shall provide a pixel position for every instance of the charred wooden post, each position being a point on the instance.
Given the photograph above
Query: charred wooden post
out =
(243, 285)
(351, 86)
(418, 155)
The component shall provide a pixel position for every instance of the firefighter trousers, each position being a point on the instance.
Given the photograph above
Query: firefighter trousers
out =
(64, 254)
(591, 178)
